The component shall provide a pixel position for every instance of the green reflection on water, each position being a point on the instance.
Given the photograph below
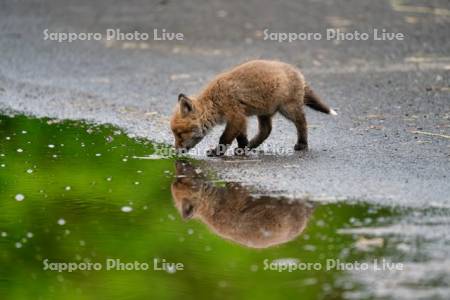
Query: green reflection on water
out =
(79, 183)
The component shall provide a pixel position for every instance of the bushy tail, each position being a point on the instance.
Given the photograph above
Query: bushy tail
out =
(312, 100)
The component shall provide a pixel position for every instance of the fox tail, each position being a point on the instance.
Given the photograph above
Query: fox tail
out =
(315, 102)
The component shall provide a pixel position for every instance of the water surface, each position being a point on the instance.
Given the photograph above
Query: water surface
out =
(72, 192)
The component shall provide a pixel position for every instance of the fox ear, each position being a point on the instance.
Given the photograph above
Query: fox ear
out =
(182, 96)
(185, 104)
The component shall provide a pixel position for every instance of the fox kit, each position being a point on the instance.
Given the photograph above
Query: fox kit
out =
(234, 214)
(256, 88)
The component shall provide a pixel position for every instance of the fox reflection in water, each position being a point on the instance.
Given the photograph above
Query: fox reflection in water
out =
(234, 214)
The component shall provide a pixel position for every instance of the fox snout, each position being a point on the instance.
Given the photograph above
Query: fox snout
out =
(181, 150)
(187, 145)
(178, 145)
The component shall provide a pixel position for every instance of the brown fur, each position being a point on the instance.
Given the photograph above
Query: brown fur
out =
(258, 87)
(234, 214)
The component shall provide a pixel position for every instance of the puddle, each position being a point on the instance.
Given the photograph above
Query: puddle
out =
(82, 194)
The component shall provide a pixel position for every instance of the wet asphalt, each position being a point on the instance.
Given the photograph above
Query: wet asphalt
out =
(389, 144)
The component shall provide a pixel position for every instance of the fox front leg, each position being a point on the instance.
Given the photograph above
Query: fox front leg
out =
(265, 127)
(232, 131)
(242, 142)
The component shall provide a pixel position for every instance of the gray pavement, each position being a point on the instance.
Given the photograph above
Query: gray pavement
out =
(385, 91)
(390, 96)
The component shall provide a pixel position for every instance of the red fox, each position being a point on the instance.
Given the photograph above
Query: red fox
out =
(256, 88)
(234, 214)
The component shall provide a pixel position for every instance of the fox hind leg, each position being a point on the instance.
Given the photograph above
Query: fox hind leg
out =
(294, 112)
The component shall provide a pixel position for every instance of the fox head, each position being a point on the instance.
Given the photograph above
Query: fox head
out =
(186, 189)
(185, 124)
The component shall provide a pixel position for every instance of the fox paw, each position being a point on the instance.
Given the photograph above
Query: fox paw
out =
(214, 152)
(300, 147)
(240, 151)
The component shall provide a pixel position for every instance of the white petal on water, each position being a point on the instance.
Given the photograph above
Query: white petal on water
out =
(320, 223)
(51, 146)
(18, 245)
(29, 171)
(310, 281)
(30, 235)
(2, 165)
(4, 234)
(366, 244)
(126, 209)
(190, 231)
(19, 150)
(19, 197)
(308, 247)
(68, 188)
(98, 154)
(61, 222)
